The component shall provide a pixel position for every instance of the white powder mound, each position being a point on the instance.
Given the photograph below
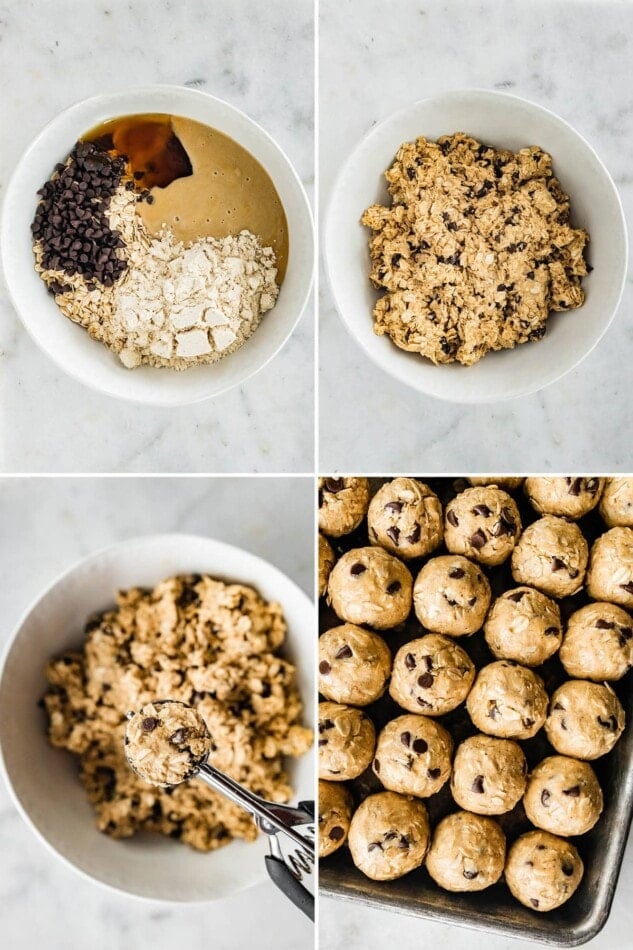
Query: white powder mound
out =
(175, 306)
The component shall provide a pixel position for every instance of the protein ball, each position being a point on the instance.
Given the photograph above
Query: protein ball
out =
(347, 739)
(451, 595)
(610, 575)
(368, 585)
(354, 665)
(563, 796)
(542, 870)
(616, 504)
(489, 775)
(570, 497)
(432, 675)
(524, 625)
(467, 853)
(413, 756)
(405, 518)
(389, 836)
(551, 555)
(342, 504)
(508, 701)
(585, 719)
(335, 814)
(598, 643)
(482, 523)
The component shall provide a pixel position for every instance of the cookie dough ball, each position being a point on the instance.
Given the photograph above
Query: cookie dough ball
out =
(166, 742)
(354, 665)
(508, 701)
(432, 675)
(483, 523)
(610, 575)
(524, 625)
(327, 560)
(489, 775)
(389, 836)
(370, 586)
(585, 719)
(405, 518)
(542, 870)
(616, 504)
(551, 555)
(413, 756)
(467, 853)
(598, 644)
(563, 796)
(347, 739)
(451, 595)
(572, 497)
(343, 504)
(508, 482)
(335, 814)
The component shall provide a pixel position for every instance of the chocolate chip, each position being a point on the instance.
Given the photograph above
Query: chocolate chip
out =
(478, 785)
(545, 798)
(390, 835)
(534, 902)
(357, 568)
(395, 259)
(604, 624)
(456, 573)
(420, 746)
(558, 565)
(409, 661)
(452, 518)
(478, 539)
(394, 587)
(508, 520)
(405, 739)
(336, 833)
(557, 706)
(326, 724)
(324, 668)
(423, 703)
(394, 533)
(573, 792)
(433, 773)
(626, 633)
(517, 596)
(575, 484)
(567, 868)
(426, 680)
(493, 711)
(395, 506)
(149, 724)
(177, 737)
(322, 742)
(470, 875)
(482, 510)
(611, 723)
(403, 843)
(627, 587)
(527, 723)
(573, 572)
(334, 485)
(428, 661)
(344, 653)
(414, 537)
(373, 845)
(377, 766)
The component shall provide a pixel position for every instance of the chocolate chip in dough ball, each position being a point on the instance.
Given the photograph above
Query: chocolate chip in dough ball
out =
(343, 504)
(524, 625)
(507, 482)
(467, 853)
(368, 585)
(389, 836)
(551, 555)
(563, 796)
(354, 665)
(570, 497)
(598, 643)
(327, 560)
(616, 504)
(483, 523)
(432, 675)
(610, 575)
(335, 814)
(542, 870)
(585, 719)
(347, 739)
(451, 595)
(508, 701)
(413, 756)
(489, 775)
(405, 518)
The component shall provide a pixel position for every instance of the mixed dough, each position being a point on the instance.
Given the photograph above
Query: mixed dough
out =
(354, 665)
(489, 775)
(451, 595)
(482, 523)
(413, 756)
(524, 625)
(432, 675)
(405, 518)
(508, 701)
(368, 585)
(467, 852)
(563, 796)
(166, 742)
(389, 835)
(474, 251)
(551, 555)
(542, 870)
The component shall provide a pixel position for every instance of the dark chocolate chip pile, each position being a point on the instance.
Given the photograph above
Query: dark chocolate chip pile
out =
(70, 220)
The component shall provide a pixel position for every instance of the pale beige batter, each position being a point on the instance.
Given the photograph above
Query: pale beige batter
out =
(335, 815)
(610, 574)
(405, 518)
(389, 836)
(542, 870)
(166, 742)
(563, 796)
(413, 756)
(467, 853)
(354, 665)
(551, 555)
(598, 643)
(524, 625)
(432, 675)
(483, 523)
(508, 701)
(585, 719)
(451, 595)
(489, 775)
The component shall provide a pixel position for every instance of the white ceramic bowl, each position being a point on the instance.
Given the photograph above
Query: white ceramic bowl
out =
(68, 344)
(44, 781)
(508, 122)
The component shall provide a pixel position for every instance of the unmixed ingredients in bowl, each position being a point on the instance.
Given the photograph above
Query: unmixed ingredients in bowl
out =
(164, 238)
(475, 250)
(199, 641)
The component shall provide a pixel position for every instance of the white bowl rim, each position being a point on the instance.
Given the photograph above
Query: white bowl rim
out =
(274, 572)
(344, 168)
(150, 89)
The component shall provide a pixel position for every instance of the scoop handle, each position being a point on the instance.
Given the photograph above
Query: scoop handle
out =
(290, 886)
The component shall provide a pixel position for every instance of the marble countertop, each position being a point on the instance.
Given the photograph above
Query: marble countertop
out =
(573, 57)
(257, 57)
(42, 902)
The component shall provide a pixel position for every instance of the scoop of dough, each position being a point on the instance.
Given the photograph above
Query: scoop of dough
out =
(489, 775)
(354, 665)
(389, 836)
(467, 852)
(524, 625)
(405, 518)
(166, 742)
(570, 496)
(343, 504)
(413, 756)
(551, 555)
(610, 575)
(432, 675)
(451, 595)
(508, 701)
(598, 643)
(616, 504)
(335, 814)
(563, 796)
(370, 586)
(482, 523)
(542, 870)
(585, 719)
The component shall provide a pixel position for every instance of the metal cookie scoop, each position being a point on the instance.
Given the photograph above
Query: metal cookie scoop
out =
(167, 743)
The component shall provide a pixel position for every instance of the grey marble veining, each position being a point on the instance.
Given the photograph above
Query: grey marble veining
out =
(258, 57)
(47, 525)
(573, 57)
